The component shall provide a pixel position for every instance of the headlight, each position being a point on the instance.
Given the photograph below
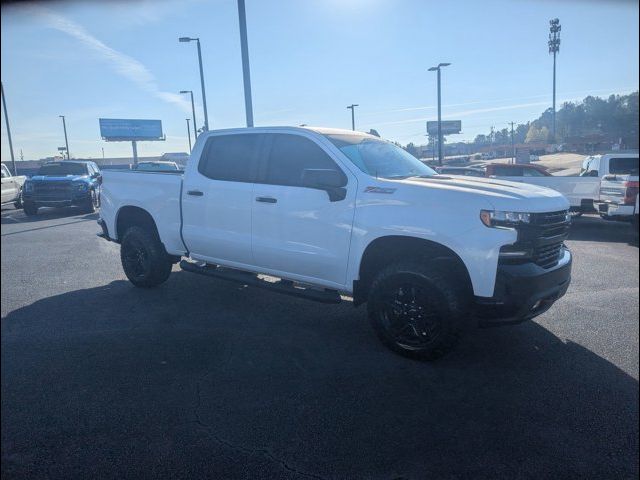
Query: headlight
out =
(28, 187)
(494, 218)
(81, 187)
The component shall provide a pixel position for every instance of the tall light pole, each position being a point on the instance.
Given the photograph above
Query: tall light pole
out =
(437, 69)
(188, 134)
(554, 48)
(352, 107)
(66, 140)
(246, 73)
(204, 96)
(193, 112)
(6, 121)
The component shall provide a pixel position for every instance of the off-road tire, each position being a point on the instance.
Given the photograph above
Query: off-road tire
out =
(29, 209)
(144, 259)
(445, 302)
(91, 205)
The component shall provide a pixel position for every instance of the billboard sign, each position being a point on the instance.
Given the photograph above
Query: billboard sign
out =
(118, 129)
(449, 127)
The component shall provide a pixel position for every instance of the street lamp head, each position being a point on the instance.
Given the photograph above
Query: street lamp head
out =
(443, 64)
(185, 91)
(432, 69)
(185, 39)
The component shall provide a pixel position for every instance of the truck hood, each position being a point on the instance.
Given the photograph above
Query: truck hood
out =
(502, 194)
(65, 178)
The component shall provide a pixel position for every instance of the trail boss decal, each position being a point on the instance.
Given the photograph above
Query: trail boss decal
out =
(379, 190)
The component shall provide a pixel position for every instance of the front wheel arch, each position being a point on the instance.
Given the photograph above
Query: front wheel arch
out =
(384, 251)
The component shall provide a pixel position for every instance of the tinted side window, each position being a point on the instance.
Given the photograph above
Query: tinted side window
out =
(290, 156)
(230, 157)
(623, 166)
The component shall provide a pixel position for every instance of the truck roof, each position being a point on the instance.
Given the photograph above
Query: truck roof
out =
(320, 130)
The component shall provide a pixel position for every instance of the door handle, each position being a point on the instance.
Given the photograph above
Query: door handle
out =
(266, 199)
(195, 193)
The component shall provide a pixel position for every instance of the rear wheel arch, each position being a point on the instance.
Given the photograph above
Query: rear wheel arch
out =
(384, 251)
(131, 216)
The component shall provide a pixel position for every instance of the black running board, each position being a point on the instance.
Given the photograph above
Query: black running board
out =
(246, 278)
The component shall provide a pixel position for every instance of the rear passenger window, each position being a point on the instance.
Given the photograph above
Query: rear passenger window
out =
(230, 157)
(290, 156)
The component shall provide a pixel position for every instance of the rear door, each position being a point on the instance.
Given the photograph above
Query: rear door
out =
(298, 231)
(217, 198)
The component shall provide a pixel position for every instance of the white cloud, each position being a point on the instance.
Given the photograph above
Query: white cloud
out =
(126, 66)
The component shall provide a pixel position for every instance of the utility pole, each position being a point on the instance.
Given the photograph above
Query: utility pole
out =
(6, 121)
(66, 140)
(554, 48)
(513, 150)
(189, 134)
(433, 69)
(246, 73)
(352, 107)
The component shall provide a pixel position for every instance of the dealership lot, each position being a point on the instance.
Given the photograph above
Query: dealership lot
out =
(202, 378)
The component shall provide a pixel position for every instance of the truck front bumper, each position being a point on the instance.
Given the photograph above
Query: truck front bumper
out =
(524, 291)
(76, 199)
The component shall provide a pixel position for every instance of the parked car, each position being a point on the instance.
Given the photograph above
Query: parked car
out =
(159, 166)
(11, 187)
(335, 212)
(63, 184)
(618, 198)
(467, 171)
(583, 191)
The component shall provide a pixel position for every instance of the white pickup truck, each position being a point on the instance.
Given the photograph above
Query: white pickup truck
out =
(325, 213)
(583, 191)
(11, 187)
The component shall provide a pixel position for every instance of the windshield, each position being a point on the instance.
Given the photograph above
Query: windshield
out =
(62, 169)
(623, 166)
(155, 166)
(379, 158)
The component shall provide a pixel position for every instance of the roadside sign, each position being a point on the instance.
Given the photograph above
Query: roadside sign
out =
(449, 127)
(62, 149)
(119, 129)
(522, 155)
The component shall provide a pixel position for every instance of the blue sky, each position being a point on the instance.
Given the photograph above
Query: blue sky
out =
(309, 60)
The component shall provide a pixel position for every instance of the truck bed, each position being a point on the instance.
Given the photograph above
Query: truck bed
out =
(156, 192)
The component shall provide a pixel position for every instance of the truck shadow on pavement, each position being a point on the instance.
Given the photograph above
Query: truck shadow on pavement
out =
(595, 229)
(205, 379)
(14, 216)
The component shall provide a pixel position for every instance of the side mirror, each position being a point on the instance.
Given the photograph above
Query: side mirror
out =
(329, 180)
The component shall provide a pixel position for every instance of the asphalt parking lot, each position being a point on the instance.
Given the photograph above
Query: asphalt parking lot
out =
(205, 379)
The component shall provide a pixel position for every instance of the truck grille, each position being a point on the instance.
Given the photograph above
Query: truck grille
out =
(53, 191)
(544, 237)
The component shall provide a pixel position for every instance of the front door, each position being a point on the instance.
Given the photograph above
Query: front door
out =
(297, 231)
